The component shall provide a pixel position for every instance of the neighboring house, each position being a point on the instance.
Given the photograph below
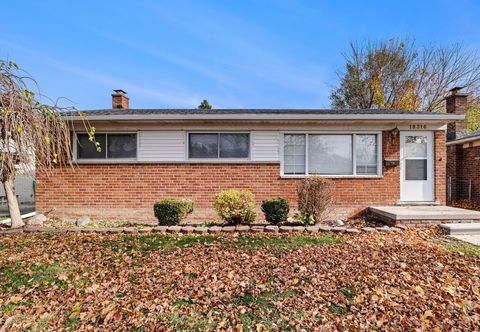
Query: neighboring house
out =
(24, 189)
(376, 157)
(463, 154)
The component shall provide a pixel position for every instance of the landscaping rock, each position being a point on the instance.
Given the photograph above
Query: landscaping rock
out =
(145, 230)
(324, 228)
(87, 230)
(385, 229)
(102, 230)
(73, 229)
(228, 229)
(257, 229)
(187, 229)
(11, 231)
(353, 230)
(242, 228)
(312, 229)
(115, 230)
(200, 230)
(338, 223)
(286, 229)
(174, 229)
(38, 219)
(160, 229)
(215, 229)
(272, 229)
(32, 229)
(298, 229)
(339, 229)
(82, 221)
(368, 229)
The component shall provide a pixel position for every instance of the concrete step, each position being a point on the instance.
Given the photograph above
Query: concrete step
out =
(462, 228)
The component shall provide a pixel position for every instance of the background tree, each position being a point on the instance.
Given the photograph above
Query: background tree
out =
(33, 135)
(204, 105)
(398, 74)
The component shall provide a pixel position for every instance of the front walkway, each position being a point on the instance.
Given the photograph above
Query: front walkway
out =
(423, 215)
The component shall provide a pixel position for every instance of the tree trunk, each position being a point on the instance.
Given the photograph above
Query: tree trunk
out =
(12, 202)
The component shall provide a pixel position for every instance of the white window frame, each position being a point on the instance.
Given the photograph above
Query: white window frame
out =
(354, 157)
(105, 160)
(218, 159)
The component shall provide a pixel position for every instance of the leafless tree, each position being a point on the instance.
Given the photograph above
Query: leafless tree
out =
(397, 74)
(33, 135)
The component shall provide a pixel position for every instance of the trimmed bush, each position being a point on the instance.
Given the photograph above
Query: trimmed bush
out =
(235, 206)
(276, 210)
(315, 198)
(171, 211)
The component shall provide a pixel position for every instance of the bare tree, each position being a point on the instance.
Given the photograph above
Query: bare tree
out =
(33, 135)
(398, 74)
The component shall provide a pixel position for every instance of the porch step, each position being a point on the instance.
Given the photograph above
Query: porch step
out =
(462, 229)
(415, 215)
(404, 203)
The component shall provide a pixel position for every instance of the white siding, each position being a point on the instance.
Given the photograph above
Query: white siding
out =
(161, 146)
(265, 145)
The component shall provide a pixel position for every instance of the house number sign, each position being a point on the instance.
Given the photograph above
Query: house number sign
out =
(418, 126)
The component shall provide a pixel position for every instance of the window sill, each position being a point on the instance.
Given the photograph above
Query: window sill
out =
(300, 176)
(202, 161)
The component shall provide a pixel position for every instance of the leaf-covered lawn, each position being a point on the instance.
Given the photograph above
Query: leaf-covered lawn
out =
(373, 282)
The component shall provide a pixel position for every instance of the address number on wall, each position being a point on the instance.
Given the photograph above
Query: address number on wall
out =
(418, 126)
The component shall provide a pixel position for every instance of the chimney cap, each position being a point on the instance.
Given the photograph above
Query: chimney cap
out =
(119, 92)
(456, 89)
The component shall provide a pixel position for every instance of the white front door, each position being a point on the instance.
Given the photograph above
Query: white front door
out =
(416, 166)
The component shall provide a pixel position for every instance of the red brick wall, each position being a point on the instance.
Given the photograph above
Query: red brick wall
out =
(464, 166)
(128, 191)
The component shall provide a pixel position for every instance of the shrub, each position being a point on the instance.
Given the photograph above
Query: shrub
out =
(315, 198)
(275, 209)
(171, 211)
(235, 206)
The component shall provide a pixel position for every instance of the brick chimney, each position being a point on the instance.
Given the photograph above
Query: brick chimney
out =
(457, 104)
(119, 99)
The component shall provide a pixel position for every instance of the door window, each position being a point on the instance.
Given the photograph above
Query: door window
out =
(415, 153)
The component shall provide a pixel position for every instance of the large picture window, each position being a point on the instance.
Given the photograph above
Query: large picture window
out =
(330, 154)
(218, 145)
(112, 146)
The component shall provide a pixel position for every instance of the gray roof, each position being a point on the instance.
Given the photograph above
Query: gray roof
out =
(145, 111)
(261, 114)
(466, 138)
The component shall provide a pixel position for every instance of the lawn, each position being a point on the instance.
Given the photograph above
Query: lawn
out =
(374, 282)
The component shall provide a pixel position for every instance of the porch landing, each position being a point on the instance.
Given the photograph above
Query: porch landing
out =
(423, 215)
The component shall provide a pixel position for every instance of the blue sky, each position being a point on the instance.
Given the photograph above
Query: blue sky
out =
(249, 53)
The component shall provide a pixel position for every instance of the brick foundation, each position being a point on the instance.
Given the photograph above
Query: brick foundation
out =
(128, 191)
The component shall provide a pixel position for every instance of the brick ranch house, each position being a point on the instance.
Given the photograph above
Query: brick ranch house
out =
(379, 157)
(463, 154)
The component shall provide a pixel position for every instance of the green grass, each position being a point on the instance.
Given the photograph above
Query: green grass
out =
(14, 276)
(464, 248)
(147, 243)
(283, 242)
(4, 217)
(183, 322)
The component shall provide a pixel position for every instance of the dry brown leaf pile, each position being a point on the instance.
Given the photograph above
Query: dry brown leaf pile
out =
(368, 282)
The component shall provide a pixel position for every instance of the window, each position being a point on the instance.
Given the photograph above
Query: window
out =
(218, 145)
(113, 146)
(415, 158)
(331, 154)
(366, 154)
(294, 154)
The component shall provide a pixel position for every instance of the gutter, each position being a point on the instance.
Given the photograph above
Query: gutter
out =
(272, 117)
(463, 140)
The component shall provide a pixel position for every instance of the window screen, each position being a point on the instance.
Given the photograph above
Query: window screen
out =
(294, 154)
